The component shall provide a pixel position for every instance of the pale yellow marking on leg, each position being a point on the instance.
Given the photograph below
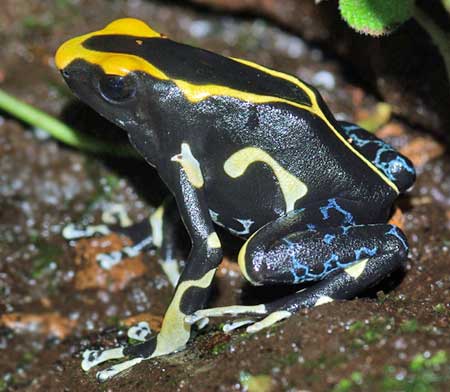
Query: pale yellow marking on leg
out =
(291, 187)
(170, 267)
(324, 299)
(242, 259)
(190, 165)
(156, 223)
(357, 269)
(241, 263)
(175, 332)
(271, 319)
(213, 241)
(232, 310)
(172, 271)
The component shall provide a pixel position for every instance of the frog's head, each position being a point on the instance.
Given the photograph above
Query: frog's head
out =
(106, 71)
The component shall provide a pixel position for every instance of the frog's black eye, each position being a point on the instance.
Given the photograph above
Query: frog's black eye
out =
(117, 89)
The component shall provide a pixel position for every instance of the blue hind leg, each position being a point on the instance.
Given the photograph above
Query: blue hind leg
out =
(341, 257)
(394, 165)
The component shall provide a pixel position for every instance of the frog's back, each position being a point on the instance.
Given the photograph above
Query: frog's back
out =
(279, 140)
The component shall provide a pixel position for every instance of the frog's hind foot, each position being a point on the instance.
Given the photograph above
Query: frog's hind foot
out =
(377, 251)
(266, 315)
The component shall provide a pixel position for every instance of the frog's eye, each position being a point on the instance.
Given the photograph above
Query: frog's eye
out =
(117, 89)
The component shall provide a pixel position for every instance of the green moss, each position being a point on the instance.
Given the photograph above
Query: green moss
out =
(409, 326)
(371, 332)
(220, 348)
(47, 258)
(439, 308)
(347, 384)
(424, 374)
(358, 324)
(256, 383)
(289, 359)
(43, 22)
(325, 362)
(376, 17)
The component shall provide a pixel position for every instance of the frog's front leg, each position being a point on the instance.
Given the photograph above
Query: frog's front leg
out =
(192, 290)
(161, 230)
(344, 261)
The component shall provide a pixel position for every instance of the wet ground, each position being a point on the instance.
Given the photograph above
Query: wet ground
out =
(55, 301)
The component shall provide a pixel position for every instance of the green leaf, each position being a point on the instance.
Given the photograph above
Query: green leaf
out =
(376, 17)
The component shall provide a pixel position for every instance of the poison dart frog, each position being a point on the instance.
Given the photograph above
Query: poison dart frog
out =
(253, 150)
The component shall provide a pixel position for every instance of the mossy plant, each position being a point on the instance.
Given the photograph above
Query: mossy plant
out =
(380, 17)
(376, 17)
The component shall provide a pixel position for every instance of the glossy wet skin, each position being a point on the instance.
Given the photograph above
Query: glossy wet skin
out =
(253, 150)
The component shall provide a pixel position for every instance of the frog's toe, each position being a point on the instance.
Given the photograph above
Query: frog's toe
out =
(93, 358)
(140, 331)
(110, 372)
(72, 232)
(202, 323)
(256, 326)
(109, 260)
(268, 321)
(225, 311)
(228, 327)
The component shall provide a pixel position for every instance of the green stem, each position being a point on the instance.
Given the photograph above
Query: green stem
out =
(440, 38)
(58, 129)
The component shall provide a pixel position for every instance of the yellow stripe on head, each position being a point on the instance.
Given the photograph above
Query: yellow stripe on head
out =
(111, 63)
